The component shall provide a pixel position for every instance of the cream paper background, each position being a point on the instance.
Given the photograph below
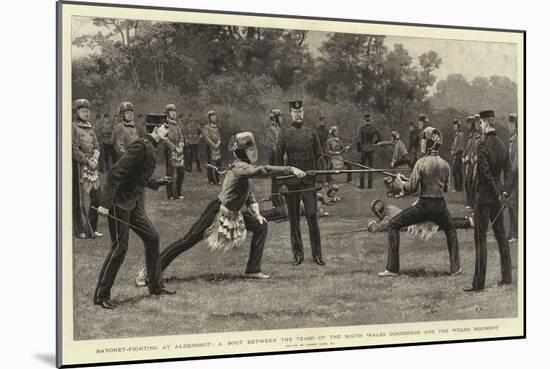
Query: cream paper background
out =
(97, 351)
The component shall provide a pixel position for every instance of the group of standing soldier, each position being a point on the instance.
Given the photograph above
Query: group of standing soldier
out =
(97, 147)
(295, 150)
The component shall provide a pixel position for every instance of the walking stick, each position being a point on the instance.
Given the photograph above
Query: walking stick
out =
(125, 222)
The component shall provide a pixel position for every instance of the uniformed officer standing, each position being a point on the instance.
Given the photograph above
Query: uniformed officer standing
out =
(335, 148)
(467, 160)
(86, 187)
(270, 143)
(513, 153)
(125, 133)
(303, 150)
(173, 154)
(368, 137)
(490, 198)
(456, 151)
(123, 198)
(193, 135)
(212, 136)
(105, 137)
(431, 174)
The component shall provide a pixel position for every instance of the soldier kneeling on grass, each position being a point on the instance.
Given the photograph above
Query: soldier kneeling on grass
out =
(431, 176)
(222, 224)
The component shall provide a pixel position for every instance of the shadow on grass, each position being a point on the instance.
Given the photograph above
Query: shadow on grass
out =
(209, 277)
(423, 273)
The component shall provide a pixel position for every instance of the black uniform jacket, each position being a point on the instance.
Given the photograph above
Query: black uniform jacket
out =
(302, 147)
(367, 138)
(492, 161)
(130, 174)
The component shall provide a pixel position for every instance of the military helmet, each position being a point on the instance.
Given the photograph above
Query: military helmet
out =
(274, 114)
(332, 190)
(378, 207)
(124, 107)
(210, 112)
(244, 141)
(81, 103)
(432, 138)
(297, 105)
(170, 107)
(395, 135)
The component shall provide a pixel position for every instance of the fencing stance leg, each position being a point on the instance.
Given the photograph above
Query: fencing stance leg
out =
(413, 215)
(119, 246)
(192, 237)
(151, 239)
(259, 235)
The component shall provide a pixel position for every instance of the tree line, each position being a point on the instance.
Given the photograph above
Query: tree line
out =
(243, 72)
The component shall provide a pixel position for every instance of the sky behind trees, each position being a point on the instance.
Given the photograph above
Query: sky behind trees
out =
(470, 58)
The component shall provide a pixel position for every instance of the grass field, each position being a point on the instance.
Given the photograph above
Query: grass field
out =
(213, 297)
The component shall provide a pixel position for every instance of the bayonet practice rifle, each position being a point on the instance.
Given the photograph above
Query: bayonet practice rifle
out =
(386, 172)
(293, 180)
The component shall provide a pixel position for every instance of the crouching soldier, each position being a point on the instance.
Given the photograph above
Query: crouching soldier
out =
(384, 213)
(430, 173)
(222, 224)
(123, 202)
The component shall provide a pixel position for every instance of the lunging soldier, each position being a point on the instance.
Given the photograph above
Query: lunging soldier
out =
(123, 199)
(491, 196)
(303, 150)
(222, 224)
(430, 173)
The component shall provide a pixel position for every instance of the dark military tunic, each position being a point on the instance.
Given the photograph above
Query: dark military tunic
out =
(492, 161)
(123, 194)
(367, 138)
(303, 149)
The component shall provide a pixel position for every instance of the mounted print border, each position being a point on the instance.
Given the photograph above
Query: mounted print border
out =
(81, 350)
